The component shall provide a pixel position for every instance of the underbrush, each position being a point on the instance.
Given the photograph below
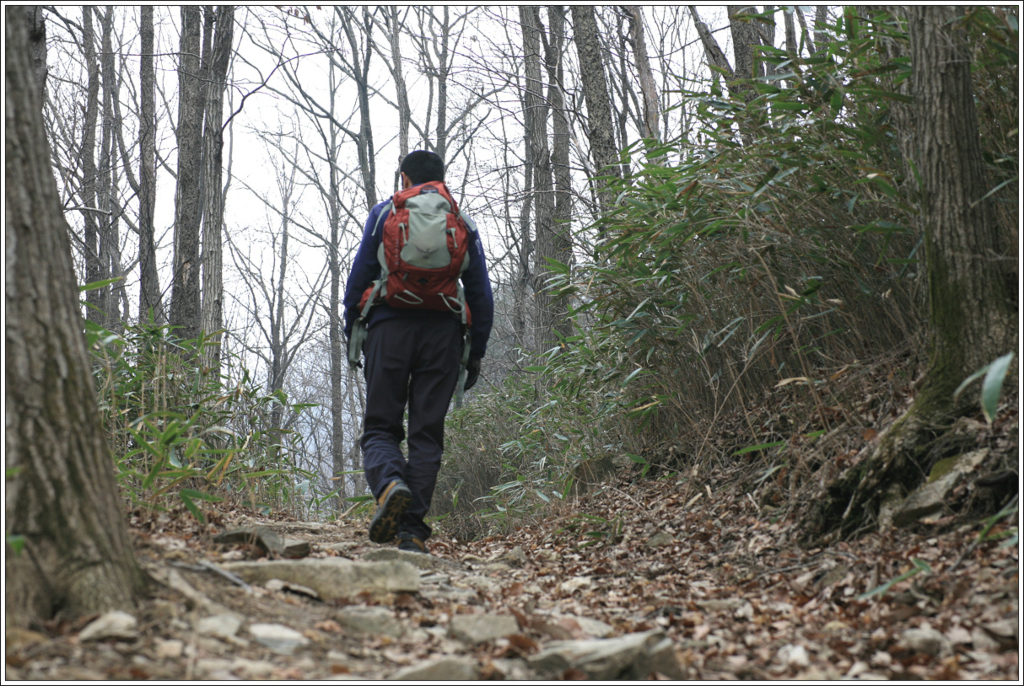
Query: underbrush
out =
(180, 432)
(747, 274)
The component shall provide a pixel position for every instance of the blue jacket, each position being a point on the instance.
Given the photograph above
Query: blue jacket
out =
(475, 282)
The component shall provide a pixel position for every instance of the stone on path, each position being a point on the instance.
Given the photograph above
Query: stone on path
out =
(279, 585)
(633, 656)
(443, 669)
(374, 621)
(220, 626)
(473, 629)
(332, 577)
(590, 627)
(927, 640)
(930, 498)
(267, 539)
(428, 562)
(660, 539)
(278, 637)
(116, 624)
(172, 648)
(252, 669)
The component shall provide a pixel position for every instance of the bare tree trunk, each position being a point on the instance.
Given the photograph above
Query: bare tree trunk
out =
(820, 22)
(643, 68)
(715, 56)
(109, 240)
(393, 28)
(213, 201)
(808, 42)
(791, 44)
(360, 73)
(88, 193)
(185, 293)
(443, 68)
(536, 116)
(149, 286)
(61, 498)
(595, 93)
(559, 241)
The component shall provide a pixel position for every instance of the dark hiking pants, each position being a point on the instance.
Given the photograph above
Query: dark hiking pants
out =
(410, 362)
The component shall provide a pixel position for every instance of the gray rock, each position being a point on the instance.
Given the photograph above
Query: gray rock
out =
(473, 629)
(633, 656)
(930, 498)
(373, 621)
(443, 669)
(720, 604)
(515, 557)
(660, 539)
(590, 627)
(482, 584)
(252, 669)
(209, 666)
(279, 638)
(269, 540)
(332, 577)
(221, 626)
(279, 585)
(171, 648)
(927, 640)
(419, 560)
(513, 669)
(116, 624)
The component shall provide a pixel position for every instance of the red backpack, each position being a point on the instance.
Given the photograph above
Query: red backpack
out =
(423, 253)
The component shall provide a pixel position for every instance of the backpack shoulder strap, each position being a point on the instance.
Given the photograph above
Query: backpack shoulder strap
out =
(384, 210)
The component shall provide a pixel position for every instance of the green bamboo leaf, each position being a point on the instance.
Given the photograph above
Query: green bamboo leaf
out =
(993, 385)
(763, 446)
(191, 506)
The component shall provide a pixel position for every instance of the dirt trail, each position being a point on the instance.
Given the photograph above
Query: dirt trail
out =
(711, 572)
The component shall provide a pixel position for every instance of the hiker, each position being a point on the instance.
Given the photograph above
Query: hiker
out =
(423, 334)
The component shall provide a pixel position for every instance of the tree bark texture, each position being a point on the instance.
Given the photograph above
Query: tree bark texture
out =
(972, 302)
(213, 195)
(643, 68)
(745, 40)
(107, 182)
(714, 54)
(558, 244)
(969, 287)
(360, 72)
(185, 291)
(62, 498)
(88, 193)
(595, 94)
(149, 281)
(536, 129)
(37, 47)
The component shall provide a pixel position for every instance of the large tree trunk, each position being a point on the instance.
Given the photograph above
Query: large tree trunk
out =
(536, 130)
(185, 293)
(62, 500)
(972, 302)
(595, 94)
(149, 286)
(213, 200)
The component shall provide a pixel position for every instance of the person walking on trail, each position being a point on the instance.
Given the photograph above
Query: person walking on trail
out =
(418, 305)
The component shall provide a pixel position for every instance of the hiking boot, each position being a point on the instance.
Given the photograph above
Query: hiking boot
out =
(410, 543)
(391, 505)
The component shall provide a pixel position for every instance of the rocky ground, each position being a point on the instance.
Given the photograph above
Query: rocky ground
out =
(641, 580)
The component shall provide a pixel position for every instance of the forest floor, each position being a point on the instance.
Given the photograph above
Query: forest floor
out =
(731, 590)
